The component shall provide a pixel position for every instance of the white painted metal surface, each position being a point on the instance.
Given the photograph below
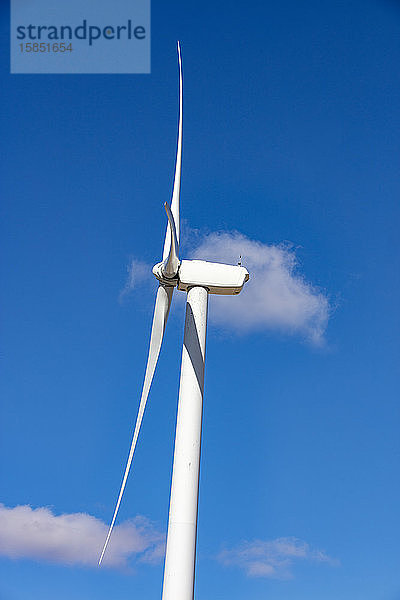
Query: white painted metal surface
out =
(216, 277)
(182, 525)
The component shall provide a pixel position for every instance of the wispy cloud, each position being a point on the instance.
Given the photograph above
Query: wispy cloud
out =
(137, 272)
(272, 558)
(277, 297)
(76, 538)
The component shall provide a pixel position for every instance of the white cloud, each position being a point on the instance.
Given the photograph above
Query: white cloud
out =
(277, 297)
(76, 538)
(137, 272)
(272, 558)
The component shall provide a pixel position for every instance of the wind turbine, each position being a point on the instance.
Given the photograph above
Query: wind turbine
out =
(199, 279)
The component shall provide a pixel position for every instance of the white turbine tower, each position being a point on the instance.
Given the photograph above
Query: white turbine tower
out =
(198, 278)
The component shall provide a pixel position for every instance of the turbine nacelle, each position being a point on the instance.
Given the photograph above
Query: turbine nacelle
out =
(217, 278)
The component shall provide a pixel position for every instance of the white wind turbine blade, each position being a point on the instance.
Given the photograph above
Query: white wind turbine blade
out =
(177, 179)
(171, 264)
(161, 310)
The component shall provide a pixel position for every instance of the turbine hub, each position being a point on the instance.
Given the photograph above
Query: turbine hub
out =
(158, 272)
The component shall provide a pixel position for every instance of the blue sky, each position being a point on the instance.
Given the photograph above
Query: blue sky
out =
(291, 121)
